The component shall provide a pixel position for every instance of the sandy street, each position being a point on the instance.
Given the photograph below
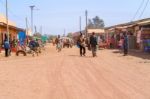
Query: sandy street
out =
(66, 75)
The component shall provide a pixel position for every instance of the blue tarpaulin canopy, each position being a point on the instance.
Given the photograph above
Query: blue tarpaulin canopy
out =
(22, 37)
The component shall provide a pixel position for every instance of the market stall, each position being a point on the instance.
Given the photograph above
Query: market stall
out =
(145, 36)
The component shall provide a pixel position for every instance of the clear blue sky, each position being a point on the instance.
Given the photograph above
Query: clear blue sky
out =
(55, 15)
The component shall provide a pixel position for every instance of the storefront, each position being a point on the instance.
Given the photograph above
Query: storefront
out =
(142, 32)
(13, 32)
(145, 38)
(138, 34)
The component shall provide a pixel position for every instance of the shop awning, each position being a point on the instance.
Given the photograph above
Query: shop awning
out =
(97, 31)
(144, 23)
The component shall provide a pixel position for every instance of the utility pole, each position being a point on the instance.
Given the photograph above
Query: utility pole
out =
(41, 30)
(27, 26)
(86, 15)
(27, 34)
(64, 32)
(35, 29)
(80, 24)
(32, 8)
(7, 21)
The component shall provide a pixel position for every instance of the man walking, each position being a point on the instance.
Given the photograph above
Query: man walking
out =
(7, 47)
(125, 44)
(58, 43)
(93, 43)
(82, 45)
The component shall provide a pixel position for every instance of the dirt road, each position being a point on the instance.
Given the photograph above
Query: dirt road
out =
(66, 75)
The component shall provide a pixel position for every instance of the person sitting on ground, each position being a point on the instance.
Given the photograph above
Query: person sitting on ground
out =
(32, 45)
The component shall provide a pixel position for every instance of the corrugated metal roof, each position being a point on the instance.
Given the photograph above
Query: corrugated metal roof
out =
(132, 23)
(10, 26)
(144, 22)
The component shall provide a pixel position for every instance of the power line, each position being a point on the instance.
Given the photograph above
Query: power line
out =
(141, 4)
(144, 9)
(19, 19)
(10, 11)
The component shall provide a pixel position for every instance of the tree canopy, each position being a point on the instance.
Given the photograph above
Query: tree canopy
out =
(96, 23)
(37, 35)
(69, 35)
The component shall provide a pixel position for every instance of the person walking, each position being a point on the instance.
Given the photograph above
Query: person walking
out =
(58, 43)
(82, 45)
(125, 44)
(6, 47)
(93, 44)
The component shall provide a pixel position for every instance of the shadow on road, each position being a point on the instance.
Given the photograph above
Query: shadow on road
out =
(142, 55)
(80, 56)
(74, 55)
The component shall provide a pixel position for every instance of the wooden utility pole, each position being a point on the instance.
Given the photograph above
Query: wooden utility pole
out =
(86, 29)
(80, 23)
(32, 8)
(27, 26)
(27, 30)
(35, 29)
(41, 30)
(64, 32)
(7, 21)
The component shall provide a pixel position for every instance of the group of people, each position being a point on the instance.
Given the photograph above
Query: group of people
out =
(82, 43)
(91, 43)
(62, 43)
(122, 43)
(34, 45)
(8, 44)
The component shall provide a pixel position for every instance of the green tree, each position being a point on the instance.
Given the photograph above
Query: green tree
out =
(37, 35)
(96, 23)
(51, 37)
(90, 24)
(69, 35)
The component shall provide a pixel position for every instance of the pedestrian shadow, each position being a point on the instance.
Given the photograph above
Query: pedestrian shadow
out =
(118, 52)
(80, 56)
(74, 55)
(87, 56)
(142, 55)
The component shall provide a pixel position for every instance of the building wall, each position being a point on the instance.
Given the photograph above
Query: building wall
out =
(2, 33)
(13, 33)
